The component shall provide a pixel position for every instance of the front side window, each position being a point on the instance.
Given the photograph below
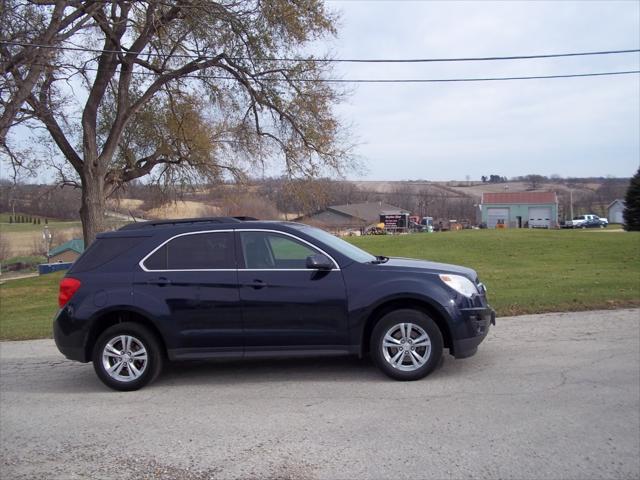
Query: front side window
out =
(265, 250)
(345, 248)
(200, 251)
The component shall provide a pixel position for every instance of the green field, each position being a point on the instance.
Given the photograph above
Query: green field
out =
(27, 307)
(526, 271)
(6, 227)
(533, 271)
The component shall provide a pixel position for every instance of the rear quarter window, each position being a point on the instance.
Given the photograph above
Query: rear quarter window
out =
(199, 251)
(102, 251)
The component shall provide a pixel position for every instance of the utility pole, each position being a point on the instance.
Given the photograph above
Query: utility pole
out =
(571, 203)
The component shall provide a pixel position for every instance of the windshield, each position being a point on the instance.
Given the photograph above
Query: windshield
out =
(345, 248)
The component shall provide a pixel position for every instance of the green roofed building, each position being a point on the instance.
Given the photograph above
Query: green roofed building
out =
(67, 252)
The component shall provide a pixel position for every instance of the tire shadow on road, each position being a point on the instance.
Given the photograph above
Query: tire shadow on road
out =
(67, 376)
(312, 369)
(307, 369)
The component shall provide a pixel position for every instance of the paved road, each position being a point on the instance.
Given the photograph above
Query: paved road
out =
(547, 396)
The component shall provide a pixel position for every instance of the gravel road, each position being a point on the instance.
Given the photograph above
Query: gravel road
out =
(546, 397)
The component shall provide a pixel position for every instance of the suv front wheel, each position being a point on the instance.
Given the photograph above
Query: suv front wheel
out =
(127, 356)
(406, 344)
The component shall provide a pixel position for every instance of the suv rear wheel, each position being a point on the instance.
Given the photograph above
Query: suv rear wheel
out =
(127, 356)
(406, 344)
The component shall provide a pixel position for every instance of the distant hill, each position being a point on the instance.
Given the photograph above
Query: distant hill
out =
(279, 197)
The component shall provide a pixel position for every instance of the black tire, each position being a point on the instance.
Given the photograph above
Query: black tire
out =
(142, 336)
(406, 316)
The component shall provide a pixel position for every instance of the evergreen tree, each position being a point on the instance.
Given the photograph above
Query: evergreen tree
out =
(631, 212)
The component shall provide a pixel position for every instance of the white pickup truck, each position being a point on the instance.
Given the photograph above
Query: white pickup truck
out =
(586, 221)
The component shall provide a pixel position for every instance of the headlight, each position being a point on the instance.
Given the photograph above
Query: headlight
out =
(460, 284)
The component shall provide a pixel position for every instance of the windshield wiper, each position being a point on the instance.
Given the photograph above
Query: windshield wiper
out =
(380, 259)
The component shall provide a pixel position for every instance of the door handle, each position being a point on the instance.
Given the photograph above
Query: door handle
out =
(161, 281)
(257, 284)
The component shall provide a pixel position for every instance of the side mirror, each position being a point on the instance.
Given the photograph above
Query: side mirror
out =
(319, 262)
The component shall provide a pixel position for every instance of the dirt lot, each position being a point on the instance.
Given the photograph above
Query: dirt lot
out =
(547, 396)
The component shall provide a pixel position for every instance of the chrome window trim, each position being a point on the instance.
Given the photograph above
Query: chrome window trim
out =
(145, 269)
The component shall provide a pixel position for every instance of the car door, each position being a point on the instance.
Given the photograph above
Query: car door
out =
(192, 278)
(285, 305)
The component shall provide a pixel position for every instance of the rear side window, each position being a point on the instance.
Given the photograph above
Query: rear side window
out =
(200, 251)
(104, 250)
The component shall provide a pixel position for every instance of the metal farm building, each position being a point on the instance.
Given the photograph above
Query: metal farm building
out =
(520, 210)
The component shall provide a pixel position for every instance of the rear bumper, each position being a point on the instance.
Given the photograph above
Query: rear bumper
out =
(69, 339)
(478, 322)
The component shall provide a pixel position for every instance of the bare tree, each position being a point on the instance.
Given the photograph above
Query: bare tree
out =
(534, 181)
(179, 90)
(29, 30)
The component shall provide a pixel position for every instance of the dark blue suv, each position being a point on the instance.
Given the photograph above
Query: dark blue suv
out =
(235, 287)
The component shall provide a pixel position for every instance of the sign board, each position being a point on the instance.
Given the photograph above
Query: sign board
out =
(394, 222)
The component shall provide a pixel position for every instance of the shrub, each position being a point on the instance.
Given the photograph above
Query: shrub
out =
(631, 212)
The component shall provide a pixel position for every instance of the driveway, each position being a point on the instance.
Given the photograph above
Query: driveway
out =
(547, 396)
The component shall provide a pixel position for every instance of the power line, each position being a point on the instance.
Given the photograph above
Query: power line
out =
(336, 60)
(479, 79)
(380, 80)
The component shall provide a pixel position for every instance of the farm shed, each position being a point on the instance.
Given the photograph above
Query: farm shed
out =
(342, 218)
(614, 211)
(520, 209)
(67, 252)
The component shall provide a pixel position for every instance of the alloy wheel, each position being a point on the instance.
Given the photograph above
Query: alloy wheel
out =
(406, 346)
(124, 358)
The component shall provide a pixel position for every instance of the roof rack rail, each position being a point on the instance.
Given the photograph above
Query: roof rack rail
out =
(185, 221)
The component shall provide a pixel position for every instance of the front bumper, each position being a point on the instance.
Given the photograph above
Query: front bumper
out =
(477, 322)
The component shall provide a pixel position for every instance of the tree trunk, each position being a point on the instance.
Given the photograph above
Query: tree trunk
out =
(93, 206)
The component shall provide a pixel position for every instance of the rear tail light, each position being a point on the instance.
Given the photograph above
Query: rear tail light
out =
(68, 287)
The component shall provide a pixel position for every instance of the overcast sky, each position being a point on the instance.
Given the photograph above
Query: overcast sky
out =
(569, 127)
(444, 131)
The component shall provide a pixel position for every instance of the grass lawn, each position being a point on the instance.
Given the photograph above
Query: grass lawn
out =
(6, 227)
(526, 271)
(533, 271)
(27, 307)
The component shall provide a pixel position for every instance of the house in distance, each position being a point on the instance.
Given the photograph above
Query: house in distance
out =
(67, 252)
(520, 210)
(342, 219)
(615, 211)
